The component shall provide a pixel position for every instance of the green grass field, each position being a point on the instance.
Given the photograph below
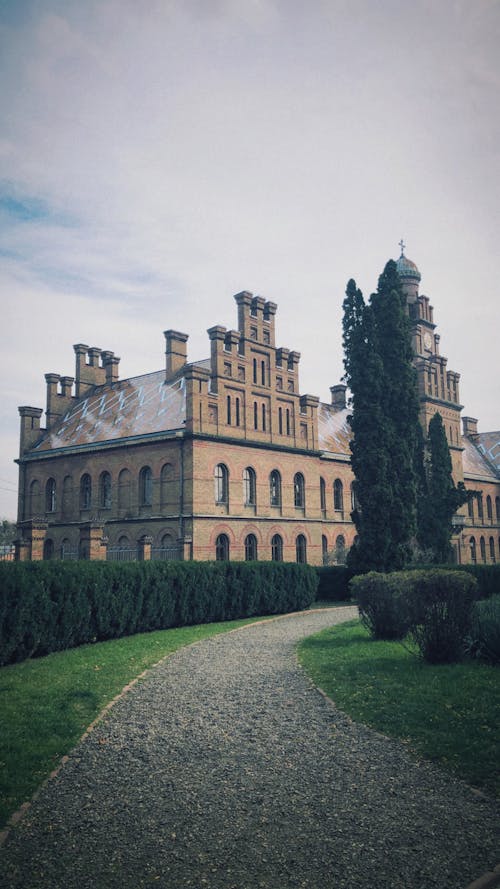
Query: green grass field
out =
(47, 703)
(447, 713)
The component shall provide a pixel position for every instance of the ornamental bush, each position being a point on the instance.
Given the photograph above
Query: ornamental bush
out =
(50, 606)
(382, 604)
(439, 606)
(485, 630)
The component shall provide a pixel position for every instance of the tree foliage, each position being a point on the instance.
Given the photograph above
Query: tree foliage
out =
(439, 496)
(385, 426)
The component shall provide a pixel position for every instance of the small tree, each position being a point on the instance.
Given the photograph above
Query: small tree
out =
(439, 497)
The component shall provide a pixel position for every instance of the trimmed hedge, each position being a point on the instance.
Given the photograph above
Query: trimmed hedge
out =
(50, 606)
(487, 576)
(381, 603)
(485, 630)
(334, 583)
(434, 607)
(439, 605)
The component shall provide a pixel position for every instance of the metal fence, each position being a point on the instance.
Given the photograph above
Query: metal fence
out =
(122, 554)
(70, 554)
(166, 553)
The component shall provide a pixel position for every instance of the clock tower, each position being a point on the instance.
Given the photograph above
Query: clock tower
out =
(438, 387)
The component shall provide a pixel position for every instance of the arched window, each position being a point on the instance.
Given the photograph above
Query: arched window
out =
(301, 549)
(124, 489)
(492, 549)
(482, 546)
(167, 549)
(222, 548)
(280, 420)
(324, 548)
(237, 405)
(338, 495)
(221, 479)
(255, 370)
(65, 548)
(472, 548)
(275, 488)
(340, 549)
(263, 418)
(255, 415)
(228, 410)
(288, 426)
(249, 487)
(145, 486)
(35, 506)
(277, 548)
(67, 496)
(85, 491)
(166, 486)
(250, 548)
(299, 490)
(322, 494)
(50, 495)
(489, 508)
(470, 507)
(480, 506)
(105, 490)
(48, 549)
(497, 508)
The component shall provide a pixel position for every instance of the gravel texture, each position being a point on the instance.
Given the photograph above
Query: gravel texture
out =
(225, 769)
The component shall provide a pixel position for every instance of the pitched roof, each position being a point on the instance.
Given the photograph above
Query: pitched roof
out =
(128, 408)
(334, 432)
(489, 445)
(475, 463)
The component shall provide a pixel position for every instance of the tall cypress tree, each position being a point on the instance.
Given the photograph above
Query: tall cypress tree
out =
(440, 497)
(380, 374)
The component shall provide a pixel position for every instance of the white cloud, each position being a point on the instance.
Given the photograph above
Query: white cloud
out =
(186, 151)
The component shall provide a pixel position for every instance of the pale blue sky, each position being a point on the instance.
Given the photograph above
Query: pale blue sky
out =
(158, 157)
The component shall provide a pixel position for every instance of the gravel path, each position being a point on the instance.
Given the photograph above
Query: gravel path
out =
(225, 769)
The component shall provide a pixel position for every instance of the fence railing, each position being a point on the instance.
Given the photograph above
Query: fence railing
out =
(70, 554)
(166, 553)
(122, 554)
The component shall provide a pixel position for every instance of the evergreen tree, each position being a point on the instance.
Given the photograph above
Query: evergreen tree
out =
(440, 498)
(380, 374)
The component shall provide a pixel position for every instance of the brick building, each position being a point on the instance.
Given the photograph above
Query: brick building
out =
(224, 458)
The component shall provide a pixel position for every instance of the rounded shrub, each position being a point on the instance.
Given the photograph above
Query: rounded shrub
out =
(382, 604)
(439, 604)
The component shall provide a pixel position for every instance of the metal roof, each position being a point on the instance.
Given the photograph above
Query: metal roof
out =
(128, 408)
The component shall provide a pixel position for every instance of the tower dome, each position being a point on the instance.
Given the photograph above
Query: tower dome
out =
(406, 268)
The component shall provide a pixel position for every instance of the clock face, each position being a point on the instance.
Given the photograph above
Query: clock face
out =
(427, 340)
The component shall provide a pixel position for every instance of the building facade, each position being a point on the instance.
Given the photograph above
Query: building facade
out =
(224, 458)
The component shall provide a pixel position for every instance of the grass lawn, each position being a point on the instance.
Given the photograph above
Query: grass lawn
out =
(447, 713)
(47, 703)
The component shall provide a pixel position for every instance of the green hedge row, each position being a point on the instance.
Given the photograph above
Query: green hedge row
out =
(333, 583)
(487, 576)
(50, 606)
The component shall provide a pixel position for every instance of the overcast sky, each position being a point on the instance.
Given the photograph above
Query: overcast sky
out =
(158, 157)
